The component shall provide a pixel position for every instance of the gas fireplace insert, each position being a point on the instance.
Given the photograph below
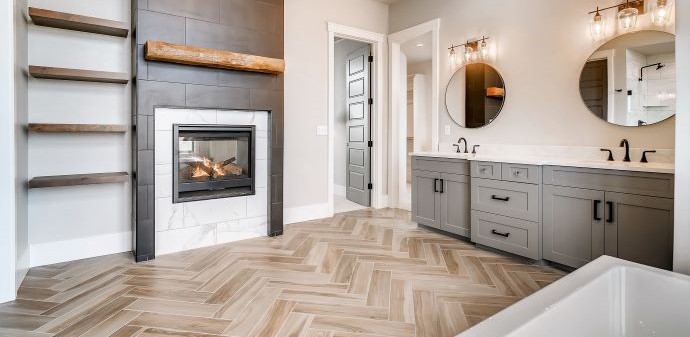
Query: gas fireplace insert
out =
(212, 162)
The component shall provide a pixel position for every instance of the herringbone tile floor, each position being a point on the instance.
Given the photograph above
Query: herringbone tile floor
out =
(360, 274)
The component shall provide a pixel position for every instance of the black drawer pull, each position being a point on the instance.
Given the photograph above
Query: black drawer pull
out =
(495, 232)
(499, 198)
(610, 206)
(435, 185)
(443, 188)
(596, 210)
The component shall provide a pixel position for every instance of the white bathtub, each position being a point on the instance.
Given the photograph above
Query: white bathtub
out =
(608, 297)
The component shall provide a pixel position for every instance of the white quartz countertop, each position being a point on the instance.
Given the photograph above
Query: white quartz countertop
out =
(555, 161)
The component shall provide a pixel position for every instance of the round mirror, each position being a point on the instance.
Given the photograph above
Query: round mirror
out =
(631, 80)
(475, 95)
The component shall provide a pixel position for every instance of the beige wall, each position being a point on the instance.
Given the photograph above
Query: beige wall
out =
(306, 89)
(682, 232)
(540, 50)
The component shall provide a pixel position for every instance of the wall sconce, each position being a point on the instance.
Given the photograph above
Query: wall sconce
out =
(627, 17)
(661, 12)
(475, 50)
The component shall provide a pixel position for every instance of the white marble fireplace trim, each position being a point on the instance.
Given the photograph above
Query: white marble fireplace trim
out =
(205, 223)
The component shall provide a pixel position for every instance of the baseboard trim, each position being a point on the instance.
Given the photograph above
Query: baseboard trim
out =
(306, 213)
(339, 190)
(76, 249)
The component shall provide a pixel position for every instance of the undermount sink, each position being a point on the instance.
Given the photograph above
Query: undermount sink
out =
(608, 297)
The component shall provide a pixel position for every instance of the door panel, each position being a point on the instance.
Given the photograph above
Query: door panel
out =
(594, 87)
(426, 200)
(358, 131)
(572, 234)
(640, 229)
(455, 204)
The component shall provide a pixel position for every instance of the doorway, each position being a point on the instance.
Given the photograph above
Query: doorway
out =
(352, 127)
(414, 103)
(363, 133)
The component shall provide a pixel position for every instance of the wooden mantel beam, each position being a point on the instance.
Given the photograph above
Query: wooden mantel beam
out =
(212, 58)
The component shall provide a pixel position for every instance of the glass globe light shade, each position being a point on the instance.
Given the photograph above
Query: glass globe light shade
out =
(452, 59)
(597, 27)
(661, 12)
(468, 53)
(483, 50)
(627, 18)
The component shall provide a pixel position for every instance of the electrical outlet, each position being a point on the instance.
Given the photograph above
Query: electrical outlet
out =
(447, 130)
(322, 130)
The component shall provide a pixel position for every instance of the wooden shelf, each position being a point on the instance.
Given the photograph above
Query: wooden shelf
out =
(48, 18)
(54, 73)
(79, 179)
(77, 128)
(495, 92)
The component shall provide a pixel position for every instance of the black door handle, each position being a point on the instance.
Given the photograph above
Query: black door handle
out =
(609, 204)
(443, 188)
(495, 232)
(435, 185)
(499, 198)
(596, 210)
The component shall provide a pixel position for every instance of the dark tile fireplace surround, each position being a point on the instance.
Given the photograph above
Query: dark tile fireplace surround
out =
(248, 26)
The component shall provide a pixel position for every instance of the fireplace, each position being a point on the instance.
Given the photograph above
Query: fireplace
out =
(212, 162)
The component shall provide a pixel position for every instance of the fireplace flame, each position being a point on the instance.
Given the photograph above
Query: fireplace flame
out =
(199, 173)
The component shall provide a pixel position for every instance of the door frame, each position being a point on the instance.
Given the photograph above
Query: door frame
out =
(398, 137)
(609, 56)
(378, 43)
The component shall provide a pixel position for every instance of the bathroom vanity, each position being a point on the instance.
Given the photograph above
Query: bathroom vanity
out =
(560, 210)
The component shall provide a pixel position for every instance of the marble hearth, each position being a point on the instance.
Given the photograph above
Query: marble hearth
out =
(196, 224)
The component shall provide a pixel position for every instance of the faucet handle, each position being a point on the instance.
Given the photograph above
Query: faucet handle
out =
(457, 148)
(474, 149)
(610, 154)
(644, 156)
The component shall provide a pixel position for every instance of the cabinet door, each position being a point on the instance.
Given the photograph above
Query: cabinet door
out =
(426, 200)
(573, 228)
(640, 229)
(455, 204)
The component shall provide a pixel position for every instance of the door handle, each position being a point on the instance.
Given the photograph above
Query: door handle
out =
(495, 232)
(500, 198)
(443, 188)
(436, 186)
(609, 204)
(596, 210)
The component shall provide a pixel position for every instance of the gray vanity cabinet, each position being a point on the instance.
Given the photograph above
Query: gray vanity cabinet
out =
(441, 194)
(588, 213)
(426, 198)
(573, 229)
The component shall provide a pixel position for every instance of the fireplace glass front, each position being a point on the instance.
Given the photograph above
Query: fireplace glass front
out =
(212, 161)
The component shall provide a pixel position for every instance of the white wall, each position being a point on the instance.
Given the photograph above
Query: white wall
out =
(7, 217)
(342, 49)
(540, 50)
(422, 118)
(65, 217)
(306, 90)
(681, 256)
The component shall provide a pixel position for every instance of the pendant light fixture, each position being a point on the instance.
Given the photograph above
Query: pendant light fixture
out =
(627, 17)
(597, 26)
(473, 51)
(661, 12)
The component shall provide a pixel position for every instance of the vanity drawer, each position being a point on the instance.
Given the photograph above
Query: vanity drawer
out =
(486, 170)
(521, 173)
(511, 235)
(516, 200)
(640, 183)
(442, 165)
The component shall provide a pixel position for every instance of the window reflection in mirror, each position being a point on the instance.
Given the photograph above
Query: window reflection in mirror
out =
(631, 80)
(475, 95)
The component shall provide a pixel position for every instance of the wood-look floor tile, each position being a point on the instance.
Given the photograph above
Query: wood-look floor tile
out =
(368, 273)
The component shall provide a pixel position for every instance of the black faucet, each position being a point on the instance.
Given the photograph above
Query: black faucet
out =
(461, 141)
(625, 143)
(610, 154)
(474, 149)
(644, 156)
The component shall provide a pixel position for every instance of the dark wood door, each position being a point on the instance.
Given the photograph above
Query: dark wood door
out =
(594, 87)
(358, 132)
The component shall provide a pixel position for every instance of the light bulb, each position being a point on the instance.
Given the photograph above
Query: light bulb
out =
(483, 50)
(452, 58)
(661, 12)
(627, 18)
(597, 26)
(468, 53)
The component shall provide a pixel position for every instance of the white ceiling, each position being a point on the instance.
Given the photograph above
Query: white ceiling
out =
(418, 54)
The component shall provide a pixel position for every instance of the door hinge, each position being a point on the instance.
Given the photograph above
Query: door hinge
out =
(370, 186)
(371, 101)
(371, 58)
(371, 143)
